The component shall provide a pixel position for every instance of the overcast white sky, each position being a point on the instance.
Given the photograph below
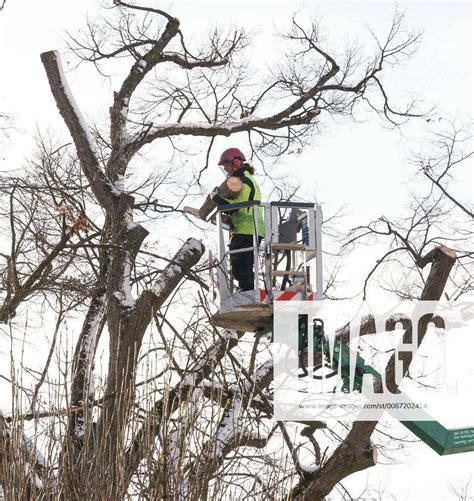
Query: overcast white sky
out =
(362, 165)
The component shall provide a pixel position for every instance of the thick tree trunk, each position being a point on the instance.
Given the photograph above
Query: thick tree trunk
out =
(127, 326)
(229, 189)
(127, 319)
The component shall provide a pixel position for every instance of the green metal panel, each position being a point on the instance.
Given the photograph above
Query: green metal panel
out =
(442, 440)
(460, 440)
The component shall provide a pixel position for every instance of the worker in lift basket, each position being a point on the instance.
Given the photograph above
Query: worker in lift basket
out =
(234, 163)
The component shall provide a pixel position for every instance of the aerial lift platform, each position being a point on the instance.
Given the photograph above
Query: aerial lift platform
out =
(289, 267)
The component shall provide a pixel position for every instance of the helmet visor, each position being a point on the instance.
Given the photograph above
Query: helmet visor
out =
(226, 167)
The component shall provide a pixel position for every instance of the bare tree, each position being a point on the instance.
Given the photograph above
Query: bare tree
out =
(462, 490)
(435, 216)
(45, 211)
(181, 431)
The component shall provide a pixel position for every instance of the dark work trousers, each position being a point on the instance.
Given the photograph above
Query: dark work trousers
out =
(242, 262)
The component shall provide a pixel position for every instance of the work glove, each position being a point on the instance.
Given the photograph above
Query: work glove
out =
(227, 219)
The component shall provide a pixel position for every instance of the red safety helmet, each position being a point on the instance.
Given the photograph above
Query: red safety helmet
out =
(232, 158)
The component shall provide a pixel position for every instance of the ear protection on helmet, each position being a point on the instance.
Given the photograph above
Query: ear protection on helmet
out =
(236, 163)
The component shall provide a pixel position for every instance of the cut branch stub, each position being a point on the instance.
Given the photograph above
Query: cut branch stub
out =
(229, 189)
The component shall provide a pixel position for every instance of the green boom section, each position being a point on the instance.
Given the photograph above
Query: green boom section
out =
(441, 439)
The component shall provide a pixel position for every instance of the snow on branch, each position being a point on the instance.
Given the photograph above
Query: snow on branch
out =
(100, 184)
(185, 258)
(357, 452)
(140, 68)
(201, 369)
(124, 294)
(82, 386)
(231, 432)
(274, 122)
(179, 266)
